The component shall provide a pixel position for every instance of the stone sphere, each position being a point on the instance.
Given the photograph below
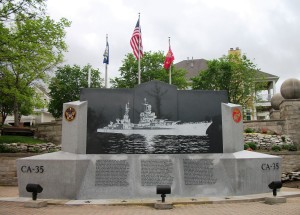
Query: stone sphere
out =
(290, 89)
(276, 100)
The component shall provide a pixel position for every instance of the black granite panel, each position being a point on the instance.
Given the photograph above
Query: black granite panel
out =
(153, 118)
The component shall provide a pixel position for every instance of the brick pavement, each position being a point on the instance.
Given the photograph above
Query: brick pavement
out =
(292, 207)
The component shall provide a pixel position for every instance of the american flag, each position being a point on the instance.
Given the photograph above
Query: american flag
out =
(136, 41)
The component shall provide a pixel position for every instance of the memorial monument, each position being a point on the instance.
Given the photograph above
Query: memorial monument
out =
(122, 143)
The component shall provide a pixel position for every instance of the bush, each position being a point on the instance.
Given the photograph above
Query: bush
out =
(252, 145)
(5, 149)
(276, 148)
(19, 139)
(249, 130)
(246, 146)
(293, 148)
(285, 146)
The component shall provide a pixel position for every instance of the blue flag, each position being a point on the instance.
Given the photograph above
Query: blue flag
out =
(106, 54)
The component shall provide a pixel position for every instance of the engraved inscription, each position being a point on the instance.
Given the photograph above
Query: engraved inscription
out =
(156, 172)
(112, 173)
(270, 166)
(32, 169)
(198, 172)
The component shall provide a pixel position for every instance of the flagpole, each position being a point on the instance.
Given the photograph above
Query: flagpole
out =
(89, 77)
(170, 78)
(139, 60)
(106, 65)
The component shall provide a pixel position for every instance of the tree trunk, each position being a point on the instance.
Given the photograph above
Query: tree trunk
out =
(16, 114)
(4, 115)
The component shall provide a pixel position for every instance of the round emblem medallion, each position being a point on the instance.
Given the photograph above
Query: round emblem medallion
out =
(236, 115)
(70, 113)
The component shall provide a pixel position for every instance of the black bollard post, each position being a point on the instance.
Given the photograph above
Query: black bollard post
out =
(163, 197)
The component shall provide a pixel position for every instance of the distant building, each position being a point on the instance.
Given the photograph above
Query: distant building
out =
(261, 107)
(192, 67)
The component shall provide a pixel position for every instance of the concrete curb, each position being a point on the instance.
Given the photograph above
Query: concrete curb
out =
(288, 193)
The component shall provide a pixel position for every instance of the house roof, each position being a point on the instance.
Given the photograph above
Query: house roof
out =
(193, 67)
(268, 76)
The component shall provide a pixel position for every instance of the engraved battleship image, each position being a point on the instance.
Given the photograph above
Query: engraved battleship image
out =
(150, 125)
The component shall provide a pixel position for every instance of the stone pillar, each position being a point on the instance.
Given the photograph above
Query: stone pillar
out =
(290, 112)
(275, 114)
(74, 127)
(232, 128)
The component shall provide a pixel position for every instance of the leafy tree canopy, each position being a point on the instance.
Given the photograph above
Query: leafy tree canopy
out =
(151, 69)
(237, 75)
(66, 85)
(30, 44)
(11, 9)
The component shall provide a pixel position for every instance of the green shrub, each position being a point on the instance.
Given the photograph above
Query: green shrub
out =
(276, 148)
(293, 148)
(246, 146)
(252, 145)
(249, 130)
(5, 149)
(19, 139)
(285, 146)
(2, 148)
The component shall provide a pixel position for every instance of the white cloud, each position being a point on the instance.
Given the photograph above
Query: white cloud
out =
(267, 31)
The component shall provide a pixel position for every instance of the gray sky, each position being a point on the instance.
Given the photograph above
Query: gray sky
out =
(267, 31)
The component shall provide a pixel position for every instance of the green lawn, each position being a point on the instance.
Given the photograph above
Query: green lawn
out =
(19, 139)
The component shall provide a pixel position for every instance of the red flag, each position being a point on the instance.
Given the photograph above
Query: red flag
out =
(169, 59)
(136, 41)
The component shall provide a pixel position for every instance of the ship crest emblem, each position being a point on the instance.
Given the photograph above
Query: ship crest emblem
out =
(236, 115)
(70, 114)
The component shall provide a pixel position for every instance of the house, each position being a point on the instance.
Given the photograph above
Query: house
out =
(262, 106)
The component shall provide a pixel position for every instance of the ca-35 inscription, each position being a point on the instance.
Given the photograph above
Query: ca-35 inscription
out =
(270, 166)
(32, 169)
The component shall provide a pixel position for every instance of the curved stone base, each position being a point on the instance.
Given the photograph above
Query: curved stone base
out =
(76, 176)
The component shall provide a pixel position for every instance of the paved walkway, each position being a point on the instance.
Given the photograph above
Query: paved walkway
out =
(292, 207)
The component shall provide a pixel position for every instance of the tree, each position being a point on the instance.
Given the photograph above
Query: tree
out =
(23, 8)
(66, 85)
(21, 95)
(151, 69)
(31, 47)
(12, 11)
(237, 75)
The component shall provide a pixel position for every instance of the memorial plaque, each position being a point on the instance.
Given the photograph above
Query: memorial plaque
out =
(156, 172)
(153, 118)
(198, 172)
(112, 173)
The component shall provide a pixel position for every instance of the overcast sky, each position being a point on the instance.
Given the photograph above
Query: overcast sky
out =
(267, 31)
